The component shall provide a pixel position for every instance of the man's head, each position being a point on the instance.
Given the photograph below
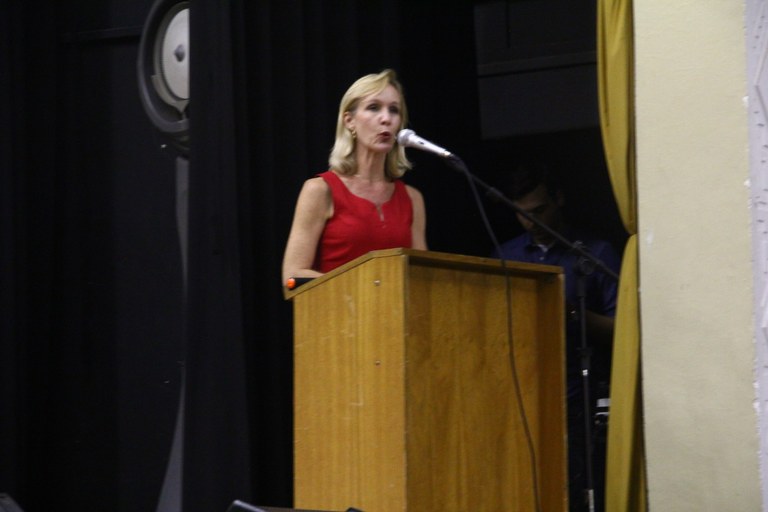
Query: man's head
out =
(533, 190)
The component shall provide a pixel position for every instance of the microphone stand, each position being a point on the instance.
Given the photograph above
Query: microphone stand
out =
(586, 265)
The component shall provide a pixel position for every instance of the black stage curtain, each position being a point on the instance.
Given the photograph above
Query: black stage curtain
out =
(90, 276)
(217, 445)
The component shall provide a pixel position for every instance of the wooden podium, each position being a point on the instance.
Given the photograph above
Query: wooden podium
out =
(404, 386)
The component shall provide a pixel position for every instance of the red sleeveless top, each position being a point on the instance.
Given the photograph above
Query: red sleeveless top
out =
(357, 228)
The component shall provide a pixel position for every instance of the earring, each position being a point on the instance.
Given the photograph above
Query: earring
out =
(354, 133)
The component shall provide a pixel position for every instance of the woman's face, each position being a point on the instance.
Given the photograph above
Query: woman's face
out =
(376, 120)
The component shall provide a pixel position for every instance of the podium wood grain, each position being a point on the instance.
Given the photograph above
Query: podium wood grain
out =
(404, 387)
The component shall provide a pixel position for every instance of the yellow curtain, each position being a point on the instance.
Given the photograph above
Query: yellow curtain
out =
(625, 480)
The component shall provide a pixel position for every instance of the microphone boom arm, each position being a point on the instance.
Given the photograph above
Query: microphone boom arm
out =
(493, 193)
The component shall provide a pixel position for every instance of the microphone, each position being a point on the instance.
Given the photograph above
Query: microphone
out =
(409, 139)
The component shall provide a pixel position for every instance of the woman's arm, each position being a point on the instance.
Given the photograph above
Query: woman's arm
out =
(313, 208)
(419, 224)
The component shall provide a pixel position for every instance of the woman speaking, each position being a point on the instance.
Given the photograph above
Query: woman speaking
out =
(359, 204)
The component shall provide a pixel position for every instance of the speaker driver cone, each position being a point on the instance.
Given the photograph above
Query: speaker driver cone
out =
(163, 70)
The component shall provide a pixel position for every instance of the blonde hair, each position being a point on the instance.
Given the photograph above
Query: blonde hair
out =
(342, 158)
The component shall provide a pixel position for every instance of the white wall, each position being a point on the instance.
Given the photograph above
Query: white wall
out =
(695, 256)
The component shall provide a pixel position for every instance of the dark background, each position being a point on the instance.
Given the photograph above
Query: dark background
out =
(96, 325)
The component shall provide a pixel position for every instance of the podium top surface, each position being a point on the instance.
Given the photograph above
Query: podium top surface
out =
(433, 258)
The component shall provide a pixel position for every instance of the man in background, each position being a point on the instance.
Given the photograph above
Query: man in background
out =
(534, 190)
